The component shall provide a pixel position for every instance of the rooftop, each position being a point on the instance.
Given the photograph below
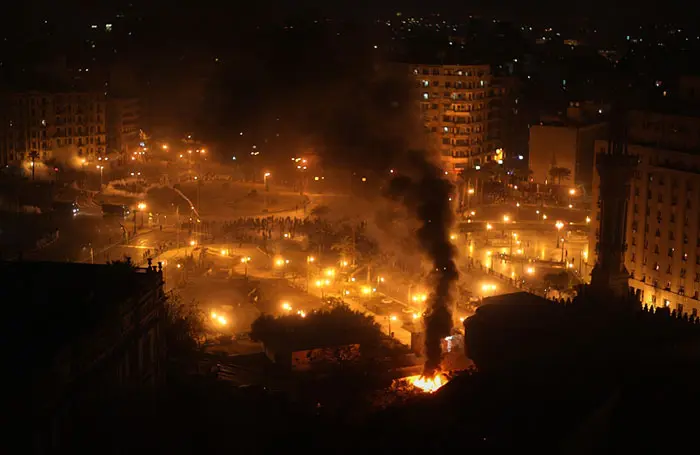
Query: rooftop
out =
(48, 304)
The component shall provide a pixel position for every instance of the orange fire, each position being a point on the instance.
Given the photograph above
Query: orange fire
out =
(428, 384)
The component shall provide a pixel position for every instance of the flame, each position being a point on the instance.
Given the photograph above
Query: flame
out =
(428, 384)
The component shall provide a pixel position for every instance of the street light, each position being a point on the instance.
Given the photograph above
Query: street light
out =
(265, 178)
(506, 219)
(245, 260)
(142, 207)
(560, 225)
(309, 261)
(391, 318)
(101, 168)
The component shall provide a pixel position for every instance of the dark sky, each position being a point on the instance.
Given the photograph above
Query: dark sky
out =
(600, 10)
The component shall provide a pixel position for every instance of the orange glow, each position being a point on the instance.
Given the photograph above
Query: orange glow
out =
(428, 385)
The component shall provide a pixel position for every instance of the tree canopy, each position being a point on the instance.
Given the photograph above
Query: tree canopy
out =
(336, 326)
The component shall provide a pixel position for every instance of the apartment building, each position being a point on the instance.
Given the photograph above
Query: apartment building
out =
(123, 128)
(663, 211)
(456, 104)
(49, 123)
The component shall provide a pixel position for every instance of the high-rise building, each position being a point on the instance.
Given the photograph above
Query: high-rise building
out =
(456, 106)
(48, 123)
(123, 127)
(662, 251)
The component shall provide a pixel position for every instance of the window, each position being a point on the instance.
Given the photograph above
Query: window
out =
(670, 252)
(671, 236)
(683, 272)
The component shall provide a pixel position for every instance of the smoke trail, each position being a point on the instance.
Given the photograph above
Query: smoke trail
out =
(425, 191)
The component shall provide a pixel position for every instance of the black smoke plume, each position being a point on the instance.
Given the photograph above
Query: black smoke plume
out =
(425, 191)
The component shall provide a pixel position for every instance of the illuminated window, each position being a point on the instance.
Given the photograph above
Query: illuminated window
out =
(426, 96)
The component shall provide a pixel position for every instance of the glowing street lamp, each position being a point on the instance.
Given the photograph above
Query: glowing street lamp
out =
(286, 307)
(391, 318)
(266, 176)
(506, 219)
(559, 225)
(245, 260)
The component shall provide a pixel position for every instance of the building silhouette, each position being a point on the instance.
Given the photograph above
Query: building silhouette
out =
(82, 339)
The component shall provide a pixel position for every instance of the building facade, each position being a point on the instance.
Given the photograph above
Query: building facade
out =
(458, 104)
(96, 338)
(566, 142)
(663, 212)
(123, 117)
(51, 124)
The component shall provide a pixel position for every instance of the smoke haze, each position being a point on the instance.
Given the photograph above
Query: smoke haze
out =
(357, 114)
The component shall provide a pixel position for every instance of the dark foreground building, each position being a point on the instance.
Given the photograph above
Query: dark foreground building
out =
(78, 340)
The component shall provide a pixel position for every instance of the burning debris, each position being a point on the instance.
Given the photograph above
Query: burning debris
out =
(428, 384)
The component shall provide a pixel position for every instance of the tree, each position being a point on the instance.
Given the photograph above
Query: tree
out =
(184, 325)
(334, 327)
(559, 173)
(345, 246)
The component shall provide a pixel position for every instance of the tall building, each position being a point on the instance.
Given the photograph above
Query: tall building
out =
(85, 338)
(567, 142)
(51, 123)
(456, 103)
(123, 115)
(662, 225)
